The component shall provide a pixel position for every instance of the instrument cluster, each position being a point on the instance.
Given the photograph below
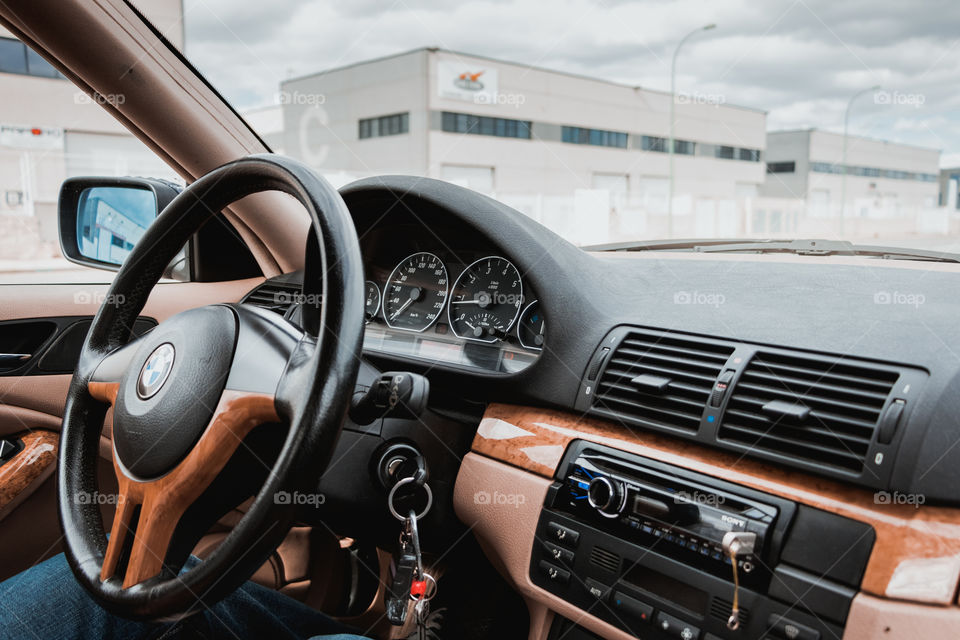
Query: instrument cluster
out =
(466, 309)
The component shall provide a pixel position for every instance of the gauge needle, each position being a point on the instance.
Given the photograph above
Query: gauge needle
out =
(465, 302)
(402, 308)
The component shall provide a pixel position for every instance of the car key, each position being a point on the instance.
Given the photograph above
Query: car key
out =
(409, 574)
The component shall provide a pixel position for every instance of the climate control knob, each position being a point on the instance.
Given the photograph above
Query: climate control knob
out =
(606, 496)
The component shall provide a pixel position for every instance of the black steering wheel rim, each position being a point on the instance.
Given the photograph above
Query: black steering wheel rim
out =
(311, 397)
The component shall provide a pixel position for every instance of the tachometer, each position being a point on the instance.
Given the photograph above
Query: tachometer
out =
(486, 300)
(415, 293)
(371, 303)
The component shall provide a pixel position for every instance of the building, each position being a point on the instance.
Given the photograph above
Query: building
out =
(586, 156)
(49, 130)
(950, 188)
(890, 187)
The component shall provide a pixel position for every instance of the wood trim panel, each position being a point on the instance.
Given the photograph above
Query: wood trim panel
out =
(28, 468)
(163, 500)
(917, 553)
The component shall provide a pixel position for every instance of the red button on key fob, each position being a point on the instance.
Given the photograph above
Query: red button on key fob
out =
(418, 588)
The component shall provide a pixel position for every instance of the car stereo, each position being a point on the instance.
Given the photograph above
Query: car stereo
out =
(663, 552)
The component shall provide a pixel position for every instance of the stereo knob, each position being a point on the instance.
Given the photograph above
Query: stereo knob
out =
(606, 496)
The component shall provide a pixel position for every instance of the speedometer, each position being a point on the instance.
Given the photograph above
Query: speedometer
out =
(415, 293)
(486, 299)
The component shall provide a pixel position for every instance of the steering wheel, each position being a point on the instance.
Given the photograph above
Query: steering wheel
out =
(186, 394)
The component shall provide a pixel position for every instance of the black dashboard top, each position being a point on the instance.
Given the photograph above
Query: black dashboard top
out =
(893, 314)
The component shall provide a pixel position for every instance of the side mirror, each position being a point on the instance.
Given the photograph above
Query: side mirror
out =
(101, 219)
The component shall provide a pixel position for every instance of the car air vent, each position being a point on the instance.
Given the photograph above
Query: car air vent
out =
(273, 296)
(720, 609)
(822, 411)
(605, 559)
(660, 379)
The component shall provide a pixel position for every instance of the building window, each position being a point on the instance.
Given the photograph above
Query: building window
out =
(653, 143)
(16, 57)
(781, 167)
(485, 125)
(596, 137)
(748, 155)
(725, 152)
(391, 125)
(684, 147)
(871, 172)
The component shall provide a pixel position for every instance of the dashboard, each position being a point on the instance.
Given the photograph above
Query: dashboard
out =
(442, 296)
(779, 395)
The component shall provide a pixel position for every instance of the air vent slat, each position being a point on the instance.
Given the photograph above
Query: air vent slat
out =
(845, 400)
(673, 388)
(802, 386)
(830, 375)
(605, 559)
(666, 347)
(749, 421)
(838, 456)
(809, 399)
(626, 369)
(669, 359)
(690, 364)
(848, 423)
(273, 296)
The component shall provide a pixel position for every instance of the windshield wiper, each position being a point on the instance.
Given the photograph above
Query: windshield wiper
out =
(797, 247)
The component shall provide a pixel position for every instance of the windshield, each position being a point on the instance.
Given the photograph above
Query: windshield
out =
(617, 122)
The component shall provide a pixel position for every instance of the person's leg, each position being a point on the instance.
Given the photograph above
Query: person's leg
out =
(46, 602)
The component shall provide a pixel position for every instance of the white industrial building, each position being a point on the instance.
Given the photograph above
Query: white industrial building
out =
(50, 130)
(890, 188)
(586, 156)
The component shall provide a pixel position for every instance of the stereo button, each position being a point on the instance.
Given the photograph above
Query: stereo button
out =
(676, 628)
(564, 535)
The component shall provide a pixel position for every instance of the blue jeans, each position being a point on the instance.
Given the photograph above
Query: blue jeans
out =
(45, 602)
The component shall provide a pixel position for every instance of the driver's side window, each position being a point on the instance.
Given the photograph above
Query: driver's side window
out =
(51, 131)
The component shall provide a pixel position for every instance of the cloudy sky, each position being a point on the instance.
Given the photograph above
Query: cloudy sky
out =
(799, 60)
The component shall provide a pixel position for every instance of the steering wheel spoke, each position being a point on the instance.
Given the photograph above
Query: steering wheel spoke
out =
(163, 501)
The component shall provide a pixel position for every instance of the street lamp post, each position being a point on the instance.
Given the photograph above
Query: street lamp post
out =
(673, 100)
(843, 180)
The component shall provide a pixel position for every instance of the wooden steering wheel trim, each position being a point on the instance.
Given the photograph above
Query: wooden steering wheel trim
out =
(164, 500)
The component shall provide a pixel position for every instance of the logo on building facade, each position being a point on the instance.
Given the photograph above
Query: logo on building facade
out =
(469, 81)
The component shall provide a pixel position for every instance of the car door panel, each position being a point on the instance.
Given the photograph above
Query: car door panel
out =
(32, 398)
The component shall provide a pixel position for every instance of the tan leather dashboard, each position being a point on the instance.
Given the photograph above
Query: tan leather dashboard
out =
(916, 557)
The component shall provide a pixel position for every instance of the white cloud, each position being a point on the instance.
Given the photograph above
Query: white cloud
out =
(800, 60)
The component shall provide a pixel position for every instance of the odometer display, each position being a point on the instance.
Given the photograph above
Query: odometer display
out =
(414, 296)
(486, 300)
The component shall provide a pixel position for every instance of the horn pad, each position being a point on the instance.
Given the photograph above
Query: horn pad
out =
(168, 395)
